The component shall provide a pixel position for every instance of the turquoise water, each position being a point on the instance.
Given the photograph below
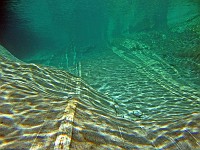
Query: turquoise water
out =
(143, 57)
(136, 52)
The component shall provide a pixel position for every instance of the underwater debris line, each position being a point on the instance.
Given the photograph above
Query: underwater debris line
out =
(144, 62)
(173, 141)
(169, 80)
(149, 75)
(162, 60)
(141, 70)
(33, 145)
(173, 68)
(74, 57)
(63, 140)
(193, 137)
(67, 60)
(79, 69)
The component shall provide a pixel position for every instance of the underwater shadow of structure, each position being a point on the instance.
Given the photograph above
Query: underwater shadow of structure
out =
(47, 108)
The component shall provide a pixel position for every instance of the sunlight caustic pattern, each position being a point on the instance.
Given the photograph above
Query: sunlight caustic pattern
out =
(41, 109)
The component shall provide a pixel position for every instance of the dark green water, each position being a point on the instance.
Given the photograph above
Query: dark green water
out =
(88, 25)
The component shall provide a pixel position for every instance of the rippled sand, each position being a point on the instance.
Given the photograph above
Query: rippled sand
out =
(47, 108)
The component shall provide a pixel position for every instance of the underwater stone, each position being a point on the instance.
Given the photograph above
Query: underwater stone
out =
(137, 113)
(68, 97)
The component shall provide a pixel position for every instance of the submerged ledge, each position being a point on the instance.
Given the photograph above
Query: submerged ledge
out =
(47, 108)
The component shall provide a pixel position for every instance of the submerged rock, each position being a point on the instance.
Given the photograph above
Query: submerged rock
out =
(137, 113)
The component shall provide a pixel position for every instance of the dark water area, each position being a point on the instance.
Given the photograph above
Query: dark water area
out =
(46, 26)
(55, 26)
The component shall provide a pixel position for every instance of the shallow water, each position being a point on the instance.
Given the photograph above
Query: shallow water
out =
(133, 80)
